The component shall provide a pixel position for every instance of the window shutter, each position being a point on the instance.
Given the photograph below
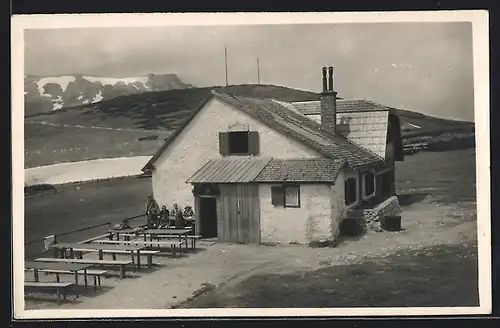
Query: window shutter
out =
(224, 143)
(277, 196)
(253, 142)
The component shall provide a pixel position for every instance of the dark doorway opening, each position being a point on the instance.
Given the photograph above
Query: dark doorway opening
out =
(208, 217)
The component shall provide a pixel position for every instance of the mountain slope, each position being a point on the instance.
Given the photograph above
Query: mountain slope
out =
(136, 124)
(49, 93)
(159, 110)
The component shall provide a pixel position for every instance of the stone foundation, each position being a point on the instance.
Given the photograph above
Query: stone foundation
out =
(370, 219)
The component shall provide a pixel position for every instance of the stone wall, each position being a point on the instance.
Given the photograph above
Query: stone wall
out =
(370, 219)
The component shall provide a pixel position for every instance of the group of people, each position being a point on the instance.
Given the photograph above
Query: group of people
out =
(163, 218)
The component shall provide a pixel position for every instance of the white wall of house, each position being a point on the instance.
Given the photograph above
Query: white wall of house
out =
(310, 222)
(199, 142)
(337, 201)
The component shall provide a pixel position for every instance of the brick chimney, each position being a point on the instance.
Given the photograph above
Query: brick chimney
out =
(328, 101)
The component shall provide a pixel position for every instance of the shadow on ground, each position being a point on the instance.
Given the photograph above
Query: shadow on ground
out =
(444, 275)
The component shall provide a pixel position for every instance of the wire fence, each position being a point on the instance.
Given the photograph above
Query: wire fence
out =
(36, 248)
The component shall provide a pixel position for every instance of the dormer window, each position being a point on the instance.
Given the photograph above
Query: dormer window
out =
(241, 143)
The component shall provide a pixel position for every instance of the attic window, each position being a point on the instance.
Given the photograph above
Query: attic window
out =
(239, 143)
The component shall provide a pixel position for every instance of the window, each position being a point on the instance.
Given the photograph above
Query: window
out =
(286, 196)
(239, 143)
(369, 183)
(350, 191)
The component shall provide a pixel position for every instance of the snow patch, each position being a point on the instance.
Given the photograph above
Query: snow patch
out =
(63, 81)
(86, 101)
(113, 81)
(58, 103)
(85, 170)
(80, 97)
(98, 97)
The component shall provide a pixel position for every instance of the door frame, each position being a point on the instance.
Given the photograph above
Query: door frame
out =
(197, 218)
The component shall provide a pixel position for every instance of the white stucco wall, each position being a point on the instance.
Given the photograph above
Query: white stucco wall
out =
(337, 201)
(199, 142)
(312, 221)
(318, 218)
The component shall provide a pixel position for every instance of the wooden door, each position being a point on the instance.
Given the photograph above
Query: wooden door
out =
(239, 214)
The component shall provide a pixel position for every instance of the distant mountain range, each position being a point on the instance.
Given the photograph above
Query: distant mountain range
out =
(49, 93)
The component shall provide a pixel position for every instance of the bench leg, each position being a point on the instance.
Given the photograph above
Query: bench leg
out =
(85, 278)
(122, 271)
(114, 256)
(133, 260)
(58, 296)
(150, 260)
(138, 260)
(58, 278)
(95, 282)
(99, 280)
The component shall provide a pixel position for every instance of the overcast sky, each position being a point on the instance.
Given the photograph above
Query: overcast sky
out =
(424, 67)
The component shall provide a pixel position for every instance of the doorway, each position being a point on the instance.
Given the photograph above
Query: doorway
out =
(208, 217)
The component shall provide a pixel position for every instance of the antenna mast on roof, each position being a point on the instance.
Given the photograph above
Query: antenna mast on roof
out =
(258, 71)
(225, 62)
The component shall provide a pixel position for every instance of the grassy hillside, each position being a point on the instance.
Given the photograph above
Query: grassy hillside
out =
(72, 138)
(159, 110)
(429, 125)
(45, 144)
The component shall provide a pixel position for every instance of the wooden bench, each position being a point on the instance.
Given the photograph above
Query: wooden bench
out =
(59, 286)
(86, 241)
(148, 253)
(96, 274)
(171, 244)
(121, 263)
(193, 238)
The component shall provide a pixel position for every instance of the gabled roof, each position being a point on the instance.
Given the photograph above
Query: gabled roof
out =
(343, 105)
(293, 124)
(303, 129)
(301, 170)
(361, 121)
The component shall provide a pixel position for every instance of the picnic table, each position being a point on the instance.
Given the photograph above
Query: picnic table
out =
(73, 267)
(181, 233)
(100, 248)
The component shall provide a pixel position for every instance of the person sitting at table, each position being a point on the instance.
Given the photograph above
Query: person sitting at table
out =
(178, 217)
(152, 211)
(188, 215)
(164, 217)
(188, 212)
